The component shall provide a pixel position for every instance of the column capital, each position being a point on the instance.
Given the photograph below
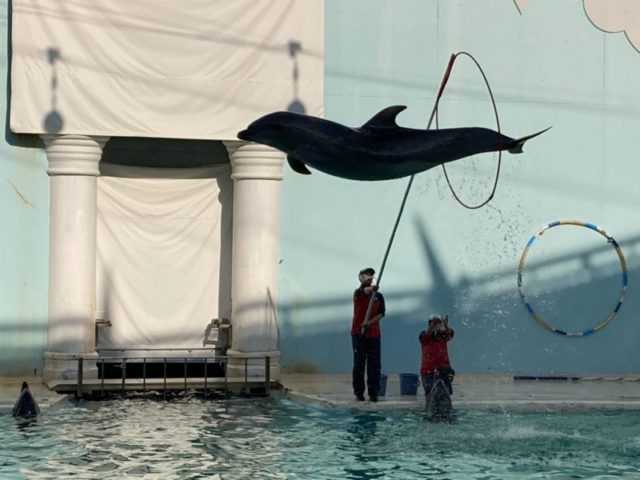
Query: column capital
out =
(253, 161)
(74, 154)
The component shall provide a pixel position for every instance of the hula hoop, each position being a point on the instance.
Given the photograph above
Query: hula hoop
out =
(497, 118)
(623, 266)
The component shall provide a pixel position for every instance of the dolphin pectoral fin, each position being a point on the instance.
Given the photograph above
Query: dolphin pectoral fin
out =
(517, 144)
(385, 118)
(297, 166)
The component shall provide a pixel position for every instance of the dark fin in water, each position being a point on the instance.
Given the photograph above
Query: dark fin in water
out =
(385, 118)
(439, 407)
(517, 147)
(297, 166)
(26, 405)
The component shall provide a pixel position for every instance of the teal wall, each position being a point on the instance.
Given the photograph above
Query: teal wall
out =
(548, 66)
(24, 244)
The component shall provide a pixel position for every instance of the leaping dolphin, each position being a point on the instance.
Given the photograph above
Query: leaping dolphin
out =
(26, 405)
(379, 150)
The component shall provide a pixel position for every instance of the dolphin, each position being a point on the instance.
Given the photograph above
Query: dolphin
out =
(26, 405)
(378, 150)
(438, 406)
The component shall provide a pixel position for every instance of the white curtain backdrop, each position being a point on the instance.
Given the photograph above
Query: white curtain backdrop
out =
(163, 239)
(200, 69)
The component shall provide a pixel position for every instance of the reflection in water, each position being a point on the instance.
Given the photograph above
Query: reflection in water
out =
(279, 439)
(367, 450)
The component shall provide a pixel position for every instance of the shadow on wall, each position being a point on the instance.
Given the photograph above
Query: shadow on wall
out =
(494, 332)
(21, 343)
(296, 105)
(15, 140)
(53, 121)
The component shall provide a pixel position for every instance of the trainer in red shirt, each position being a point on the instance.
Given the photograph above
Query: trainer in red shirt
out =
(433, 344)
(365, 337)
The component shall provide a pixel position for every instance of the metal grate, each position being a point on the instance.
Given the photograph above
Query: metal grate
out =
(207, 384)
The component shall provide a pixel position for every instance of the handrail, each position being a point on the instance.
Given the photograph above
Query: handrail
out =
(156, 349)
(140, 357)
(123, 359)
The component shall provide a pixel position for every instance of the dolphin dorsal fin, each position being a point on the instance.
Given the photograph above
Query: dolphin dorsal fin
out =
(385, 118)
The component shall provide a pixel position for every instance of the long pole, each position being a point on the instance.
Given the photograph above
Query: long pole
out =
(406, 194)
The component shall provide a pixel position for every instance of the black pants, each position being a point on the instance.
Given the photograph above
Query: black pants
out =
(366, 353)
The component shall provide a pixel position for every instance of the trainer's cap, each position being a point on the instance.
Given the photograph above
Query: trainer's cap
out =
(366, 274)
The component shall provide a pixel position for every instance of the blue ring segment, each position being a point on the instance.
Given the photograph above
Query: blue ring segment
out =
(623, 266)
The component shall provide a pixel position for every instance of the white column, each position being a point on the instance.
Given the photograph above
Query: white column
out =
(256, 171)
(73, 168)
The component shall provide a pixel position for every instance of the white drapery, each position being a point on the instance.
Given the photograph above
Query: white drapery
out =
(199, 69)
(163, 250)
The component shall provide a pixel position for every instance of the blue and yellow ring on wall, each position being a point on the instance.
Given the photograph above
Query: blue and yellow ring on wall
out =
(623, 266)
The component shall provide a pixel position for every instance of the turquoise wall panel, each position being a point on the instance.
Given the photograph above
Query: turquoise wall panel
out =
(24, 243)
(548, 67)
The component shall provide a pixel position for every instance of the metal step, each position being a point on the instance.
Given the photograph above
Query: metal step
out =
(236, 385)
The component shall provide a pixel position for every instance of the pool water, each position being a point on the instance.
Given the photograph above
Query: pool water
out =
(278, 438)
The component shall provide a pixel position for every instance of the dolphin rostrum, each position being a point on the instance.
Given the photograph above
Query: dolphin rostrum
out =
(379, 150)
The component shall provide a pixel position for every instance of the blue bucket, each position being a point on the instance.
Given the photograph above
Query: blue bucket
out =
(408, 383)
(382, 390)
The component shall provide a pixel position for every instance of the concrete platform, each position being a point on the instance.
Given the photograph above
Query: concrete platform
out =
(471, 392)
(56, 391)
(10, 389)
(480, 392)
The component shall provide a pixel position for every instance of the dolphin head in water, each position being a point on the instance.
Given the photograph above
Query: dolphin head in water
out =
(439, 407)
(26, 405)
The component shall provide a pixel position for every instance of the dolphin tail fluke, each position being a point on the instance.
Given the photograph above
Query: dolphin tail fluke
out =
(518, 144)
